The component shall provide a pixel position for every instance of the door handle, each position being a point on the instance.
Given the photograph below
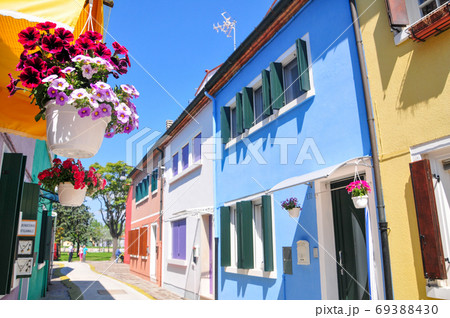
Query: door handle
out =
(340, 263)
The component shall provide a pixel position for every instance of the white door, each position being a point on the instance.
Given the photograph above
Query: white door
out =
(153, 252)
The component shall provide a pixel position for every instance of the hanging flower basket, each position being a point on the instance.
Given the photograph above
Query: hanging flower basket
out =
(58, 71)
(292, 207)
(360, 202)
(359, 190)
(69, 196)
(73, 182)
(71, 136)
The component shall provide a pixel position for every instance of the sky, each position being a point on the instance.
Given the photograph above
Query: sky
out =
(170, 44)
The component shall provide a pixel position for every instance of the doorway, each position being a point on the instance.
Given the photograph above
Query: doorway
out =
(350, 244)
(153, 252)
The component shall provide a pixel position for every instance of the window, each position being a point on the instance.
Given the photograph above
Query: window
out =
(141, 189)
(197, 147)
(175, 164)
(427, 6)
(258, 105)
(155, 180)
(143, 241)
(246, 235)
(133, 242)
(284, 81)
(179, 239)
(185, 157)
(291, 84)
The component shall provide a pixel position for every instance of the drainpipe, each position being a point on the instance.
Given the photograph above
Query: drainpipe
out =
(160, 211)
(216, 269)
(383, 225)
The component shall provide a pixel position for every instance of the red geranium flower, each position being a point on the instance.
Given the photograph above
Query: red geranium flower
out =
(67, 164)
(29, 36)
(57, 161)
(119, 48)
(92, 35)
(30, 77)
(85, 44)
(65, 35)
(37, 63)
(52, 44)
(45, 26)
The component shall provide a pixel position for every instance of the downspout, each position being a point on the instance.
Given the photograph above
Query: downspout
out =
(216, 270)
(383, 225)
(160, 213)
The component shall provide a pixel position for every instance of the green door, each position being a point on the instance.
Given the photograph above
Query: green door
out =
(350, 242)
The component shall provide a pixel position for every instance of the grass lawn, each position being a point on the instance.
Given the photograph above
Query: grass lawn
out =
(100, 256)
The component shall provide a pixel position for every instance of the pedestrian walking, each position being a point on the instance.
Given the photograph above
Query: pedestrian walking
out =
(84, 253)
(80, 254)
(70, 253)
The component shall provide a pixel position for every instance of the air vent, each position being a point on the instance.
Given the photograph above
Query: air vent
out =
(446, 164)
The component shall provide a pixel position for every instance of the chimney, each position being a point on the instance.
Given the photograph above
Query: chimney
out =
(168, 123)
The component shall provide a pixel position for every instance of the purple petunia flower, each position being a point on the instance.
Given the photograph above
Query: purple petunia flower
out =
(50, 78)
(88, 71)
(61, 99)
(96, 114)
(122, 117)
(98, 94)
(79, 93)
(60, 84)
(68, 70)
(127, 89)
(109, 134)
(123, 108)
(83, 112)
(128, 129)
(93, 101)
(105, 109)
(52, 92)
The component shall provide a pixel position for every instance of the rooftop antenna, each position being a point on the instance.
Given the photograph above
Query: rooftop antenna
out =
(226, 27)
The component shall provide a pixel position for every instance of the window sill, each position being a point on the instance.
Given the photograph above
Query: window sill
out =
(286, 108)
(134, 256)
(154, 192)
(439, 292)
(185, 172)
(144, 257)
(177, 262)
(251, 272)
(142, 200)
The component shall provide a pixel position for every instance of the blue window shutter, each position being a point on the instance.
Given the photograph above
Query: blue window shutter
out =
(302, 64)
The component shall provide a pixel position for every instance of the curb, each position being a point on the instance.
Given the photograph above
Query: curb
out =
(73, 290)
(129, 285)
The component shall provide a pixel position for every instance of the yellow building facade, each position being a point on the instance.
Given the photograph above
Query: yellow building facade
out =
(410, 92)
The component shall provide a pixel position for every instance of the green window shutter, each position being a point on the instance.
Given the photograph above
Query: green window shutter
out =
(302, 63)
(239, 114)
(11, 185)
(138, 192)
(225, 238)
(265, 74)
(225, 124)
(248, 115)
(30, 201)
(146, 186)
(267, 232)
(154, 180)
(245, 234)
(276, 85)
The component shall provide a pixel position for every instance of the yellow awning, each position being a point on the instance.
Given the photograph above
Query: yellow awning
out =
(16, 112)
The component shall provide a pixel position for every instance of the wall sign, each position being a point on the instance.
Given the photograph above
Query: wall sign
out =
(24, 267)
(27, 228)
(25, 247)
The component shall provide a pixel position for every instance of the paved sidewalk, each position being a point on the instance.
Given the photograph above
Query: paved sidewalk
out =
(122, 273)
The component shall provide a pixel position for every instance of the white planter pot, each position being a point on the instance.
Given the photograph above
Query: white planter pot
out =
(360, 202)
(69, 135)
(294, 213)
(68, 196)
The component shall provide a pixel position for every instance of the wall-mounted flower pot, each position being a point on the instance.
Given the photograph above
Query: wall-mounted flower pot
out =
(360, 202)
(69, 135)
(294, 212)
(68, 196)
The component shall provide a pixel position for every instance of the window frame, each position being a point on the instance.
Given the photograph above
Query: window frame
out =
(172, 223)
(188, 155)
(199, 160)
(177, 166)
(285, 58)
(233, 268)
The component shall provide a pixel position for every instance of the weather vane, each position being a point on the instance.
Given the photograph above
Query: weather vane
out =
(226, 27)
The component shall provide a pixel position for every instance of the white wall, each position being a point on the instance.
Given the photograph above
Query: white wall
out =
(191, 189)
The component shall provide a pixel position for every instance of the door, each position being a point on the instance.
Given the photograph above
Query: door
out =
(153, 252)
(350, 243)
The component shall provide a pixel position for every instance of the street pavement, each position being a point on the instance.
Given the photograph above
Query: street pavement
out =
(101, 281)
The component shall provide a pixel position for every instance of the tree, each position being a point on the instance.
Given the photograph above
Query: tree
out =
(73, 224)
(99, 233)
(113, 197)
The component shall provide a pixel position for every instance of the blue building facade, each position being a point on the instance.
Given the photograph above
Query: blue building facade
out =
(292, 123)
